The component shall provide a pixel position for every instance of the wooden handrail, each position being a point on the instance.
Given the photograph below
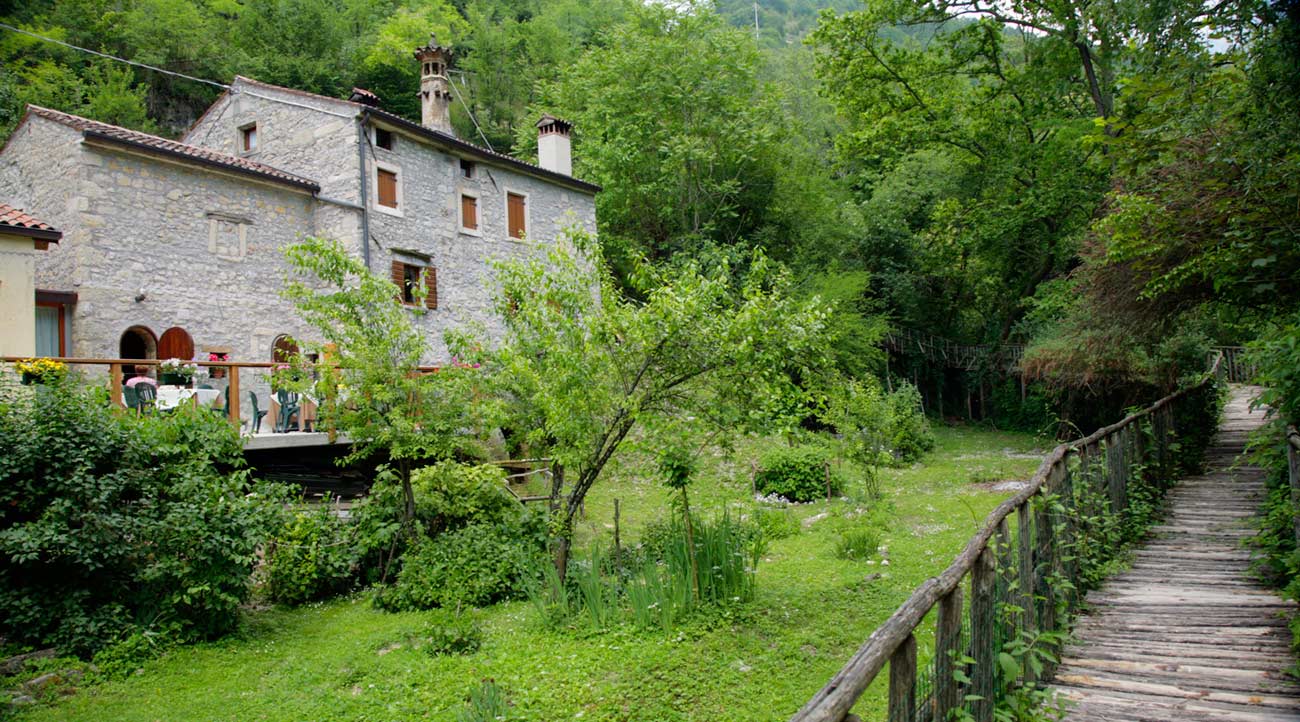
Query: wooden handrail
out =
(833, 702)
(155, 362)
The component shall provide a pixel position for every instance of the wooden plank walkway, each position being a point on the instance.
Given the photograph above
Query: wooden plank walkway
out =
(1186, 633)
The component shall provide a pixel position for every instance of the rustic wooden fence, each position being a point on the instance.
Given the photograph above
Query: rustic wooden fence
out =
(1237, 366)
(1013, 578)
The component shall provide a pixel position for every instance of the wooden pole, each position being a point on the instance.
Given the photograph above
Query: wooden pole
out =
(1025, 573)
(982, 622)
(947, 645)
(234, 395)
(618, 546)
(902, 682)
(1293, 474)
(115, 384)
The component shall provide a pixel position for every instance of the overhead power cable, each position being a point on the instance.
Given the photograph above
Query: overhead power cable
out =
(172, 73)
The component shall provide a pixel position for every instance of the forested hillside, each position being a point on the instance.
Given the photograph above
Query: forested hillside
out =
(1114, 184)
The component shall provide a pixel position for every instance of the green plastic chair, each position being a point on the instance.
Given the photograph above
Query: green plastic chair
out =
(128, 397)
(146, 398)
(225, 408)
(256, 421)
(288, 409)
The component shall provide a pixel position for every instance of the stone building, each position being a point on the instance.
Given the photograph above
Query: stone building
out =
(173, 248)
(22, 331)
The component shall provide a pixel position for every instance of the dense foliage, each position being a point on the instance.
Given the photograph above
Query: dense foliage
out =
(797, 473)
(473, 566)
(314, 554)
(112, 523)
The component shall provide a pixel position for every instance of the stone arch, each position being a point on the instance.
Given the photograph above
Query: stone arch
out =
(283, 349)
(137, 342)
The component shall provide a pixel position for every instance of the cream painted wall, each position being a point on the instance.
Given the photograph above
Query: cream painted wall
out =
(17, 296)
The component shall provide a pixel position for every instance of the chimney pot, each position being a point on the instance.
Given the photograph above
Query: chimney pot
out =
(435, 88)
(554, 146)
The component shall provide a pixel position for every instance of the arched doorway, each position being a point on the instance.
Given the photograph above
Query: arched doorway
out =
(176, 343)
(137, 342)
(283, 349)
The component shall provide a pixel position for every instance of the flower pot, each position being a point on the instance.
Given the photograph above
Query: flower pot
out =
(173, 379)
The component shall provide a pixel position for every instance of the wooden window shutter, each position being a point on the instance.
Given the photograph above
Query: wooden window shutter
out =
(469, 212)
(399, 278)
(431, 284)
(387, 188)
(516, 213)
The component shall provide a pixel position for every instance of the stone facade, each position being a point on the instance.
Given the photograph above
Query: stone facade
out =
(160, 241)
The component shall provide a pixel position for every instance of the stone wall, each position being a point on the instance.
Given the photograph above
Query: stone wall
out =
(429, 224)
(40, 172)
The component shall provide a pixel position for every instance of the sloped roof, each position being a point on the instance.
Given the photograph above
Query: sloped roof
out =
(437, 136)
(93, 129)
(15, 222)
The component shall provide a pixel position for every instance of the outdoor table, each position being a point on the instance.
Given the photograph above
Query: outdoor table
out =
(169, 397)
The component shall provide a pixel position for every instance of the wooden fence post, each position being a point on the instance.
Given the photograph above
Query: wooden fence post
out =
(902, 682)
(115, 384)
(1293, 475)
(982, 624)
(233, 390)
(947, 644)
(618, 547)
(1025, 574)
(1114, 466)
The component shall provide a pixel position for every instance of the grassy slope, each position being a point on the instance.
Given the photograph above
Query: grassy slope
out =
(324, 662)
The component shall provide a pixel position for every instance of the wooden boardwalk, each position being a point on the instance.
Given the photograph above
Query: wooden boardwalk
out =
(1186, 633)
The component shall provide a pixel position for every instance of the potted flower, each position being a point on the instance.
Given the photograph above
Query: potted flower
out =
(176, 372)
(41, 370)
(217, 372)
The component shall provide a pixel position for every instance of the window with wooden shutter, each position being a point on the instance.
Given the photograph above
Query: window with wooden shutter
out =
(468, 212)
(399, 279)
(387, 182)
(516, 214)
(431, 283)
(248, 137)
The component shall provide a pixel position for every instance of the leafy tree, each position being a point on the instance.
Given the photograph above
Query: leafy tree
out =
(582, 367)
(371, 386)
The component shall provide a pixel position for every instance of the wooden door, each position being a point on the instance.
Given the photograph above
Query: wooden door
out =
(176, 343)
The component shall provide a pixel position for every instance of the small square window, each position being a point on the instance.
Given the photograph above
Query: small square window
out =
(248, 138)
(517, 215)
(466, 168)
(468, 212)
(384, 138)
(387, 181)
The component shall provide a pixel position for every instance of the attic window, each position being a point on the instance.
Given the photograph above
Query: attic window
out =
(248, 138)
(384, 138)
(466, 168)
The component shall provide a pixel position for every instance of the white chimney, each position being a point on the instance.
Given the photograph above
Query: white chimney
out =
(554, 151)
(435, 88)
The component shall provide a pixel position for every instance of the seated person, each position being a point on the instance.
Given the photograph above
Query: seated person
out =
(141, 377)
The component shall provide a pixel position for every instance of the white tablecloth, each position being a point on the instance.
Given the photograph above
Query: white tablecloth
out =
(169, 397)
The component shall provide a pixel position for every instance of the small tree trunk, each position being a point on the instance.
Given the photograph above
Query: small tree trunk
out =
(690, 544)
(561, 540)
(408, 496)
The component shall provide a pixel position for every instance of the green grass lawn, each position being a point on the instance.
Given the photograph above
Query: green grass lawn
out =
(343, 660)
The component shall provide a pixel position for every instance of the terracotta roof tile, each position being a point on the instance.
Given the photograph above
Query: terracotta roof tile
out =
(15, 218)
(171, 147)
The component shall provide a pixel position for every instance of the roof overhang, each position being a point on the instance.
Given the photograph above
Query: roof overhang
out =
(104, 138)
(461, 147)
(40, 234)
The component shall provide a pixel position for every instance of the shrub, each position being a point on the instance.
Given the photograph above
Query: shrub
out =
(477, 565)
(858, 544)
(448, 495)
(114, 523)
(449, 632)
(312, 555)
(909, 434)
(797, 473)
(776, 523)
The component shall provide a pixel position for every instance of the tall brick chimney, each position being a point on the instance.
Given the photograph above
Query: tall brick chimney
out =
(554, 148)
(435, 88)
